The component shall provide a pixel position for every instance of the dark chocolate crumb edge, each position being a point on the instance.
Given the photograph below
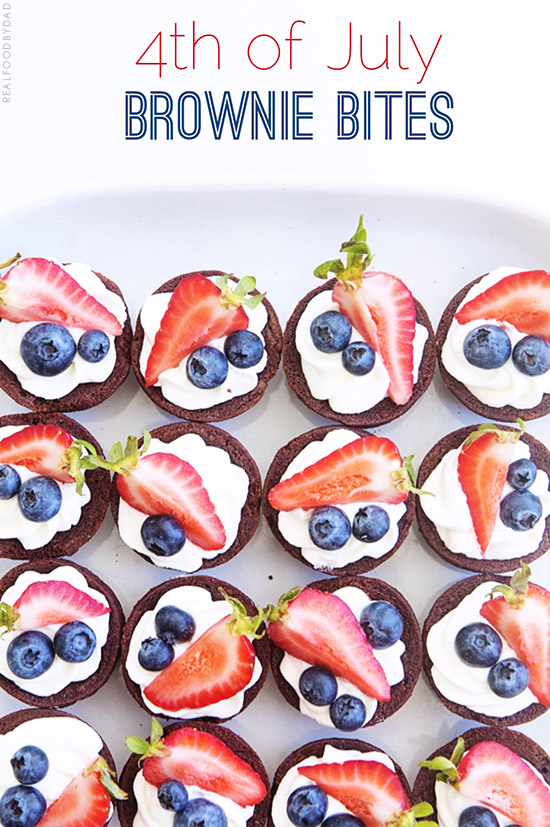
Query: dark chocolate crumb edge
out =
(77, 690)
(443, 605)
(250, 513)
(411, 659)
(280, 463)
(64, 543)
(273, 338)
(541, 457)
(384, 411)
(317, 748)
(127, 809)
(505, 414)
(526, 748)
(212, 585)
(87, 394)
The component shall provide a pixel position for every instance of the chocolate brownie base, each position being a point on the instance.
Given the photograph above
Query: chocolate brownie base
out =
(77, 690)
(273, 339)
(411, 637)
(64, 543)
(127, 809)
(250, 514)
(384, 411)
(280, 463)
(505, 414)
(424, 785)
(540, 456)
(443, 605)
(148, 603)
(317, 748)
(88, 394)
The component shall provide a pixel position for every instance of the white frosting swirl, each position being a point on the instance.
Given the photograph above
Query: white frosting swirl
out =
(390, 660)
(79, 371)
(227, 487)
(328, 379)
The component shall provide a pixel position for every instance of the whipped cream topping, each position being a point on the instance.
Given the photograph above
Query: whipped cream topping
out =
(292, 780)
(175, 385)
(31, 535)
(390, 660)
(448, 510)
(293, 525)
(326, 376)
(457, 681)
(61, 673)
(497, 386)
(206, 612)
(227, 487)
(79, 371)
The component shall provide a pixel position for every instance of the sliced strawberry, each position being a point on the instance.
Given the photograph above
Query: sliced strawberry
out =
(55, 601)
(40, 448)
(521, 299)
(194, 316)
(527, 630)
(482, 468)
(494, 775)
(37, 290)
(360, 471)
(164, 484)
(320, 629)
(200, 759)
(368, 789)
(84, 803)
(383, 312)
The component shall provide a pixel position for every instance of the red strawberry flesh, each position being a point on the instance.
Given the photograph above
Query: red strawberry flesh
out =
(83, 803)
(165, 484)
(40, 448)
(358, 472)
(48, 602)
(368, 789)
(194, 317)
(37, 290)
(200, 759)
(320, 629)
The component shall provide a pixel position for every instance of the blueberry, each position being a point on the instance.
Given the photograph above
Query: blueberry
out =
(30, 654)
(329, 528)
(93, 346)
(172, 795)
(343, 820)
(163, 535)
(318, 686)
(531, 355)
(330, 332)
(74, 642)
(477, 817)
(478, 644)
(10, 482)
(521, 473)
(520, 510)
(347, 713)
(243, 349)
(508, 677)
(47, 349)
(207, 368)
(174, 625)
(382, 624)
(39, 499)
(306, 806)
(21, 806)
(487, 347)
(155, 654)
(30, 764)
(200, 812)
(358, 358)
(370, 524)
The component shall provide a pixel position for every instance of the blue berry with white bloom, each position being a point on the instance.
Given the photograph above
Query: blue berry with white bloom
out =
(163, 535)
(347, 713)
(155, 654)
(382, 624)
(508, 677)
(487, 347)
(330, 332)
(29, 764)
(21, 806)
(174, 625)
(521, 473)
(200, 812)
(74, 642)
(243, 349)
(478, 644)
(30, 654)
(477, 817)
(520, 510)
(307, 806)
(343, 820)
(172, 795)
(39, 499)
(93, 346)
(207, 368)
(10, 482)
(318, 686)
(47, 349)
(358, 358)
(371, 523)
(531, 355)
(329, 528)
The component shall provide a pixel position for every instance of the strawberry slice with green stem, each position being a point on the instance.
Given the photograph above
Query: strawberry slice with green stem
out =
(37, 290)
(86, 801)
(198, 312)
(48, 602)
